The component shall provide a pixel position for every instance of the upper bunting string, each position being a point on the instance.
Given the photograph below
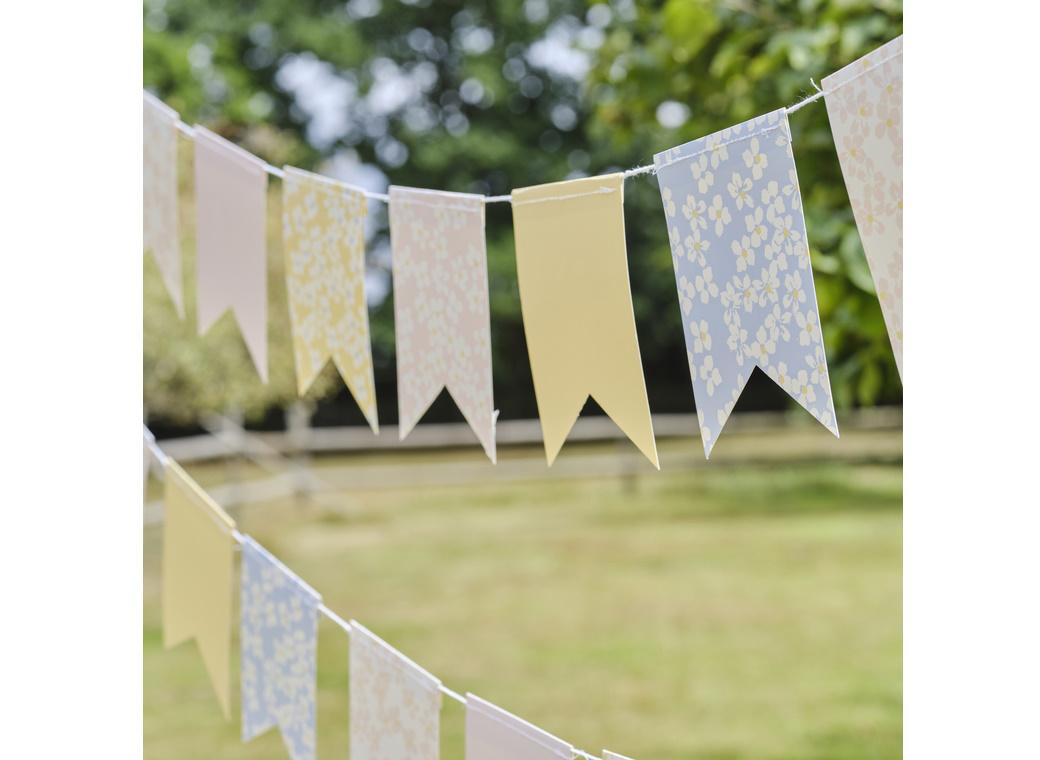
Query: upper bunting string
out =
(635, 171)
(162, 458)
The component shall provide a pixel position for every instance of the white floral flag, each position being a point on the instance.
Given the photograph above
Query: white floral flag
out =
(395, 705)
(161, 229)
(441, 313)
(734, 214)
(865, 107)
(494, 734)
(279, 652)
(231, 205)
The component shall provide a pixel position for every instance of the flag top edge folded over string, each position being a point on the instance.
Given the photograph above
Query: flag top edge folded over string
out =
(231, 235)
(421, 675)
(198, 577)
(500, 718)
(576, 303)
(865, 109)
(742, 219)
(325, 283)
(442, 313)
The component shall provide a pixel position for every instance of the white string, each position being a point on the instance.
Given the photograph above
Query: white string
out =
(627, 174)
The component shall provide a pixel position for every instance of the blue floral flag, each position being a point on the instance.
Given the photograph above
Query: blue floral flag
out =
(741, 259)
(279, 651)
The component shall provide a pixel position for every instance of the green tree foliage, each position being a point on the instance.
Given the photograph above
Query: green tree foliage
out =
(486, 96)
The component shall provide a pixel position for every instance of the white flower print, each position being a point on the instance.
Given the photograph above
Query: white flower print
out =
(755, 160)
(756, 228)
(701, 336)
(768, 285)
(764, 298)
(817, 364)
(762, 348)
(696, 247)
(809, 327)
(744, 253)
(669, 202)
(740, 190)
(705, 285)
(710, 374)
(795, 294)
(686, 294)
(804, 390)
(702, 175)
(719, 214)
(694, 210)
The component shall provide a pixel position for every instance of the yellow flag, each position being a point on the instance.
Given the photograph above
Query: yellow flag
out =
(323, 227)
(577, 307)
(198, 577)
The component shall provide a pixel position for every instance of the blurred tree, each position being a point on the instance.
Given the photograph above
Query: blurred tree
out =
(486, 96)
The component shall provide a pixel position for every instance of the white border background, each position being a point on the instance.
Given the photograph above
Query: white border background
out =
(70, 303)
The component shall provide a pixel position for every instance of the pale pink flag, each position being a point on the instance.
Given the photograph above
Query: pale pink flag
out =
(494, 734)
(161, 231)
(865, 108)
(231, 205)
(395, 705)
(441, 314)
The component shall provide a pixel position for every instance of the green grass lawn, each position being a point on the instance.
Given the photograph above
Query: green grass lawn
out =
(717, 613)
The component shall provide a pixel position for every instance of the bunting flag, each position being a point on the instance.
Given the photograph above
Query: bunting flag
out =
(577, 307)
(734, 214)
(323, 229)
(441, 312)
(279, 652)
(865, 108)
(198, 577)
(494, 734)
(161, 229)
(231, 204)
(395, 705)
(608, 755)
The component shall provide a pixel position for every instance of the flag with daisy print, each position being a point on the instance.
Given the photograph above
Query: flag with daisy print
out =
(741, 261)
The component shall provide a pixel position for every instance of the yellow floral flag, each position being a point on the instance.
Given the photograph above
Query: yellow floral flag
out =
(198, 577)
(577, 307)
(323, 227)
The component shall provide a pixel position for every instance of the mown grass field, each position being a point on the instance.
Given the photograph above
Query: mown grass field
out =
(724, 612)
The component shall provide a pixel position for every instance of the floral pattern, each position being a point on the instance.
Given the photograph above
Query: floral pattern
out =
(323, 227)
(394, 704)
(279, 651)
(865, 107)
(161, 232)
(441, 312)
(742, 269)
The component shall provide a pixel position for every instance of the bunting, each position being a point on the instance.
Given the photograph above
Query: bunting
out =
(494, 734)
(577, 307)
(279, 652)
(741, 259)
(608, 755)
(161, 230)
(231, 204)
(441, 312)
(395, 705)
(323, 230)
(865, 108)
(198, 577)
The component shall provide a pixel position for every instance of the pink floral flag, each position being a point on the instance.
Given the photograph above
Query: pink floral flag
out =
(494, 734)
(231, 202)
(865, 107)
(441, 312)
(395, 705)
(161, 233)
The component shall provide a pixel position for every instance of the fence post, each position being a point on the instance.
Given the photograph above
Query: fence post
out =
(298, 419)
